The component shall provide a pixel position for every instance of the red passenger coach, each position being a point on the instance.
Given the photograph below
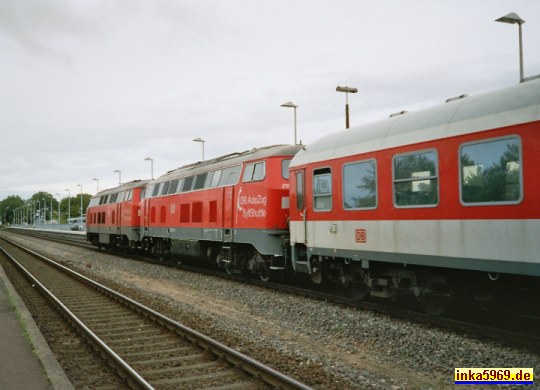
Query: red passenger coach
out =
(426, 202)
(113, 216)
(232, 210)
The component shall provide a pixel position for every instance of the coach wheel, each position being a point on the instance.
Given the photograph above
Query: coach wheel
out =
(316, 270)
(433, 304)
(178, 259)
(355, 288)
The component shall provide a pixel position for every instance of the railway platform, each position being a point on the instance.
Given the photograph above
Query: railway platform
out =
(26, 362)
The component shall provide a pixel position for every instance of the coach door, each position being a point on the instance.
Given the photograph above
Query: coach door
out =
(298, 208)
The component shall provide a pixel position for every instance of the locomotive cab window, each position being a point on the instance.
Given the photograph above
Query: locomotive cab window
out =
(165, 188)
(188, 183)
(416, 179)
(322, 189)
(172, 187)
(200, 179)
(285, 163)
(490, 172)
(254, 172)
(230, 176)
(215, 179)
(360, 185)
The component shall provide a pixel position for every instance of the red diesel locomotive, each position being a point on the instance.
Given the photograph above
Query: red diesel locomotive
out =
(231, 210)
(113, 216)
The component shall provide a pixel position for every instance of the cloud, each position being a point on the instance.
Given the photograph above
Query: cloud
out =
(38, 25)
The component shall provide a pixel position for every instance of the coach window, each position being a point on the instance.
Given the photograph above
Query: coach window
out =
(254, 172)
(491, 172)
(360, 185)
(416, 179)
(322, 189)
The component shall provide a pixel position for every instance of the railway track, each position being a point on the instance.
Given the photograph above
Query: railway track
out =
(147, 349)
(479, 325)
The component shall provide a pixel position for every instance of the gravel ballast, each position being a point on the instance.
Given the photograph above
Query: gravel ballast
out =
(321, 344)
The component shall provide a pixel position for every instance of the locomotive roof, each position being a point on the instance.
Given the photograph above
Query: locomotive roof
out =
(504, 107)
(229, 160)
(122, 187)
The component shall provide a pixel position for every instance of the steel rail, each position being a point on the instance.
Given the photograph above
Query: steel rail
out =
(238, 359)
(530, 341)
(125, 370)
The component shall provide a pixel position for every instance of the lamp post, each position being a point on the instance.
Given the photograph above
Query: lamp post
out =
(44, 210)
(152, 166)
(119, 175)
(97, 184)
(51, 210)
(69, 204)
(59, 200)
(39, 212)
(294, 106)
(513, 18)
(199, 139)
(347, 90)
(80, 185)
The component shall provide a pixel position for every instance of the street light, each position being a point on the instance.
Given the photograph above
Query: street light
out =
(79, 185)
(292, 105)
(347, 91)
(151, 166)
(119, 175)
(97, 184)
(69, 204)
(60, 199)
(513, 18)
(199, 139)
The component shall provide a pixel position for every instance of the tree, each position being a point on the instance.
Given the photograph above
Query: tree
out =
(8, 207)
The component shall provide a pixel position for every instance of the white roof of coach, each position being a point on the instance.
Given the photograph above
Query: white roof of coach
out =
(504, 107)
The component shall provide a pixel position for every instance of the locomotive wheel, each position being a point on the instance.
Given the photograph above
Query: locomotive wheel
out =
(433, 304)
(264, 273)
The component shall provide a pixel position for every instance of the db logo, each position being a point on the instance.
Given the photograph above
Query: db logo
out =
(360, 236)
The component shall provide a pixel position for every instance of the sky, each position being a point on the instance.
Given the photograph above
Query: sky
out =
(91, 87)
